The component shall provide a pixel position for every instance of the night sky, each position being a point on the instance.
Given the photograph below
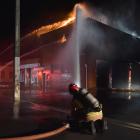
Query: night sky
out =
(33, 14)
(37, 12)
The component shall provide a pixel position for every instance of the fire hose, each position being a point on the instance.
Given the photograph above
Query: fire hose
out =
(42, 135)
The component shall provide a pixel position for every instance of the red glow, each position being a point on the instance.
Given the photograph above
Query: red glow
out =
(46, 72)
(48, 77)
(39, 73)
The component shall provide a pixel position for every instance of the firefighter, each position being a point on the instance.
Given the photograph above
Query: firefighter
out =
(85, 104)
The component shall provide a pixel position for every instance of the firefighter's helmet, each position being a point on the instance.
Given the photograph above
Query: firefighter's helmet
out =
(73, 88)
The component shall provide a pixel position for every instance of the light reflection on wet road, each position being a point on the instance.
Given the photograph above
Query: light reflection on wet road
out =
(46, 111)
(121, 106)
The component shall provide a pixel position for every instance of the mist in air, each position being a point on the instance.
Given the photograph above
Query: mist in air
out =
(87, 35)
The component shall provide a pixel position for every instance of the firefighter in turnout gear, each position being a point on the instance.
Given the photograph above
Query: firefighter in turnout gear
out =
(86, 107)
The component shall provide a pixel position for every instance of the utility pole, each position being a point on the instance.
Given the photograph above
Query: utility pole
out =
(17, 61)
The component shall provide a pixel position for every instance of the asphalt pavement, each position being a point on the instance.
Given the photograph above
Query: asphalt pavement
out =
(44, 112)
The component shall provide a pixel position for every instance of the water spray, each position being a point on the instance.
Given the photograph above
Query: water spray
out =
(77, 49)
(81, 12)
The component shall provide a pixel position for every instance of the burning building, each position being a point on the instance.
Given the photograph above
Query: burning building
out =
(45, 61)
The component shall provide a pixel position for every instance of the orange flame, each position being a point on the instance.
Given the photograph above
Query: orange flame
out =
(62, 39)
(57, 25)
(48, 28)
(83, 7)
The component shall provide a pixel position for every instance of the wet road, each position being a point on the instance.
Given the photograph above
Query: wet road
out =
(40, 112)
(123, 114)
(122, 105)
